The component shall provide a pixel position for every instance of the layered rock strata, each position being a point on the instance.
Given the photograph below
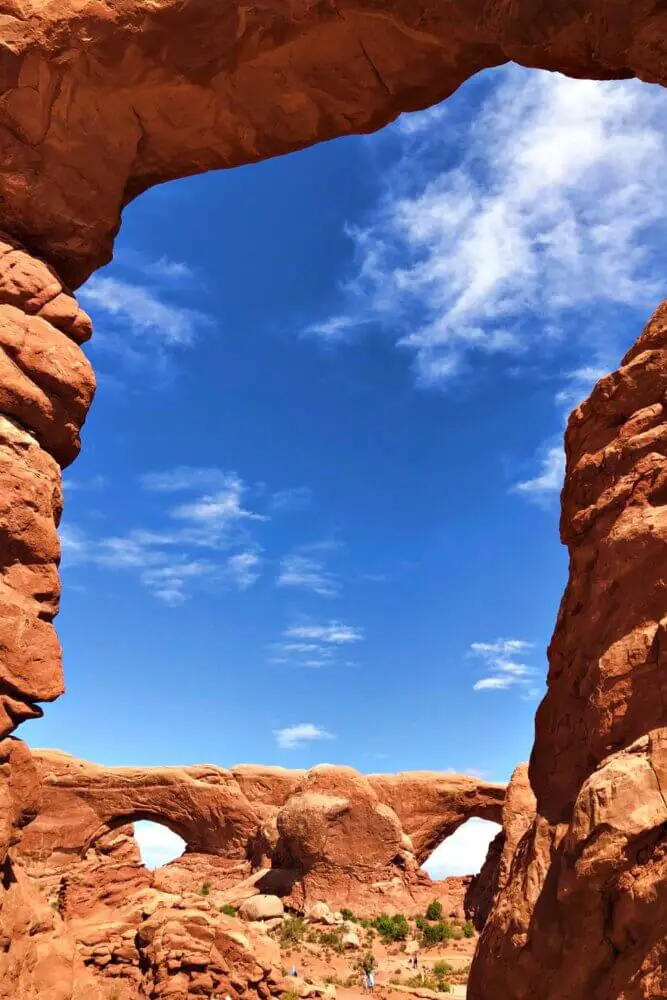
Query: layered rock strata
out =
(583, 911)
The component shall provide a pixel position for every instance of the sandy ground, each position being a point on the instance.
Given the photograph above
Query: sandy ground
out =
(392, 963)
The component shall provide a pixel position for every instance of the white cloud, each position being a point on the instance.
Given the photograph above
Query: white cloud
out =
(500, 658)
(147, 317)
(216, 514)
(493, 684)
(332, 632)
(300, 734)
(157, 844)
(185, 478)
(168, 583)
(464, 852)
(163, 559)
(315, 645)
(244, 569)
(549, 480)
(166, 269)
(549, 207)
(307, 571)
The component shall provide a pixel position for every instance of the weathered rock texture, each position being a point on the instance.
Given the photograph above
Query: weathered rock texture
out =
(330, 833)
(104, 98)
(99, 100)
(583, 913)
(46, 386)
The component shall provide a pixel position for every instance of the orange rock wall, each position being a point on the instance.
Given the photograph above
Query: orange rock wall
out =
(583, 913)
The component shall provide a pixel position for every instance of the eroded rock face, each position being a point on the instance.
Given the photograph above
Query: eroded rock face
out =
(583, 911)
(46, 387)
(329, 833)
(101, 100)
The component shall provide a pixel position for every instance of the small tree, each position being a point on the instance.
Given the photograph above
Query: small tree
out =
(468, 929)
(368, 962)
(434, 911)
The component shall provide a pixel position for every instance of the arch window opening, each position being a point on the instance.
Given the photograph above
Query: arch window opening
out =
(158, 845)
(464, 852)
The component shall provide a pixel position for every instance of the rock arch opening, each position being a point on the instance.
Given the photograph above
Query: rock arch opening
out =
(464, 852)
(158, 845)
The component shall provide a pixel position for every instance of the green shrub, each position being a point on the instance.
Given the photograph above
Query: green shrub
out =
(434, 911)
(420, 923)
(468, 929)
(433, 934)
(228, 910)
(390, 929)
(292, 929)
(441, 969)
(348, 915)
(368, 962)
(205, 889)
(332, 939)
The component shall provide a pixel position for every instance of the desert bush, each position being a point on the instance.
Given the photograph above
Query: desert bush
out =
(367, 962)
(468, 929)
(433, 934)
(228, 910)
(390, 929)
(441, 969)
(290, 995)
(434, 911)
(348, 915)
(292, 930)
(205, 889)
(332, 939)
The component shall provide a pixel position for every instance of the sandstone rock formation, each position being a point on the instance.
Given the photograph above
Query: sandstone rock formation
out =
(99, 100)
(103, 99)
(327, 834)
(46, 387)
(584, 909)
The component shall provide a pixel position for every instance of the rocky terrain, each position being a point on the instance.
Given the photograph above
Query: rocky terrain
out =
(271, 858)
(99, 100)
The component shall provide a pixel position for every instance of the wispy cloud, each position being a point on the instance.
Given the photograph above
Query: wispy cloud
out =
(298, 735)
(501, 660)
(76, 485)
(551, 207)
(244, 569)
(548, 482)
(305, 568)
(185, 478)
(144, 314)
(333, 632)
(168, 560)
(139, 313)
(166, 269)
(294, 499)
(315, 645)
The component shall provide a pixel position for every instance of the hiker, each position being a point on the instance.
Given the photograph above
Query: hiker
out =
(371, 982)
(293, 972)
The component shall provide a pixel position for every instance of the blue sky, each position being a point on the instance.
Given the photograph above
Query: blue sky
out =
(315, 517)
